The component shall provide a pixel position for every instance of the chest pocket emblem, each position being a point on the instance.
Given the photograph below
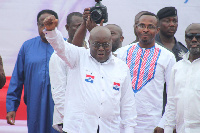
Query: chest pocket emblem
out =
(116, 86)
(89, 78)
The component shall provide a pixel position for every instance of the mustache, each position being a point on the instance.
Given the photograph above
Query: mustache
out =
(172, 28)
(145, 33)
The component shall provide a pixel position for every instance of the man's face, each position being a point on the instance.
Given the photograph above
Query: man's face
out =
(192, 39)
(76, 21)
(168, 26)
(100, 46)
(137, 20)
(41, 26)
(116, 35)
(147, 29)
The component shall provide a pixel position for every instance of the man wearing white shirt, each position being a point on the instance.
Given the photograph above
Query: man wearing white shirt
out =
(98, 92)
(150, 66)
(58, 71)
(183, 100)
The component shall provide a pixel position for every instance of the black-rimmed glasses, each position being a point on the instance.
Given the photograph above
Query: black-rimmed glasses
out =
(104, 45)
(149, 27)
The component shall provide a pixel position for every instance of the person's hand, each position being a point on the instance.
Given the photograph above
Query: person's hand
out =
(10, 115)
(86, 13)
(90, 24)
(50, 22)
(158, 130)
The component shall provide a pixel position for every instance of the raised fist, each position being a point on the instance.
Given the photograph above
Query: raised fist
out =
(50, 22)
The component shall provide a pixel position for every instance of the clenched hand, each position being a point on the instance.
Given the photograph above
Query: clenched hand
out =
(50, 22)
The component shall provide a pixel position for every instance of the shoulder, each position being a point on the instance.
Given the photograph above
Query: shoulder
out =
(56, 62)
(121, 52)
(164, 50)
(119, 63)
(54, 57)
(182, 47)
(165, 56)
(31, 41)
(178, 65)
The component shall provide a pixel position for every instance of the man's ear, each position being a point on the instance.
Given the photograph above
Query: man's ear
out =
(121, 38)
(158, 29)
(67, 27)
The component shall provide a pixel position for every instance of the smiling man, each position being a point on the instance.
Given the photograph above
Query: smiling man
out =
(150, 65)
(183, 101)
(98, 95)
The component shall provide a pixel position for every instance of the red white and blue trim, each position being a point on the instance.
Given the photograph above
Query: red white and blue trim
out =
(142, 65)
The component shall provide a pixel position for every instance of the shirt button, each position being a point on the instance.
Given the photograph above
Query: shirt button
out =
(102, 77)
(99, 117)
(102, 90)
(101, 103)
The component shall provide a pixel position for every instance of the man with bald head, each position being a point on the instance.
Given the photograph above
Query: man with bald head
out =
(99, 97)
(183, 97)
(117, 36)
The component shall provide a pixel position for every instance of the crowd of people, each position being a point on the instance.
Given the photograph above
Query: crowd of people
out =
(76, 85)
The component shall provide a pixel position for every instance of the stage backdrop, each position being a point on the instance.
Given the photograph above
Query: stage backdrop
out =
(18, 19)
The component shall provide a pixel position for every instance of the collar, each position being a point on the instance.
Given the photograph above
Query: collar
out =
(186, 56)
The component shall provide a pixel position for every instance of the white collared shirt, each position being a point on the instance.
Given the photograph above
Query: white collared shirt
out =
(58, 77)
(183, 99)
(149, 100)
(97, 93)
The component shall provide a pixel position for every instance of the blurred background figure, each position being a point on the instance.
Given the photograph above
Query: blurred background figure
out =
(32, 72)
(2, 74)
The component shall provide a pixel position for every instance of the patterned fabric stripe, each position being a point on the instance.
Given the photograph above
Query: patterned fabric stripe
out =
(142, 65)
(129, 56)
(142, 69)
(147, 67)
(131, 60)
(135, 69)
(153, 63)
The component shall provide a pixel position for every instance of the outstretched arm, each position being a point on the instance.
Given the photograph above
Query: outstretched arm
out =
(66, 51)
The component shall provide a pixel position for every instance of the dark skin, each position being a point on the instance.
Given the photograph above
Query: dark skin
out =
(147, 39)
(117, 37)
(136, 22)
(147, 36)
(76, 21)
(116, 32)
(168, 27)
(98, 34)
(81, 31)
(193, 44)
(11, 115)
(41, 26)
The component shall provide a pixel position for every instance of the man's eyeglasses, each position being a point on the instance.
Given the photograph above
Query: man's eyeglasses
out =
(149, 27)
(190, 36)
(104, 45)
